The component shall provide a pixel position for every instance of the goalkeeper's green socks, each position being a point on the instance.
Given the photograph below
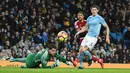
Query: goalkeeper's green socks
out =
(17, 59)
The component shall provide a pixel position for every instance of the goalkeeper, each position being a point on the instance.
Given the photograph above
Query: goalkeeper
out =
(34, 60)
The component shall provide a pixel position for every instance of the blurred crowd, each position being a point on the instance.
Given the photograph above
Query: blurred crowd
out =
(30, 25)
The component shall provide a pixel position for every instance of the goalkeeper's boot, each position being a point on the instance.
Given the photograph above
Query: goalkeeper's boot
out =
(12, 59)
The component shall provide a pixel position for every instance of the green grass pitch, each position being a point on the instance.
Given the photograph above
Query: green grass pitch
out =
(62, 70)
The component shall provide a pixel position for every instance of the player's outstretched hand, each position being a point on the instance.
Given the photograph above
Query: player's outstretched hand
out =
(56, 64)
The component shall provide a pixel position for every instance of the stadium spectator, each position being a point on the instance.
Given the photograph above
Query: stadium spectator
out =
(39, 21)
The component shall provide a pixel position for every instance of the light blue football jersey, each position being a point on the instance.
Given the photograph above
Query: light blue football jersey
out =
(94, 24)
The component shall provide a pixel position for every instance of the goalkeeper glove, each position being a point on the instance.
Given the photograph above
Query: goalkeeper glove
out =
(56, 64)
(69, 63)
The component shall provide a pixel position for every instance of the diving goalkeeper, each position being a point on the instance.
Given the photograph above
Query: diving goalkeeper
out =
(34, 60)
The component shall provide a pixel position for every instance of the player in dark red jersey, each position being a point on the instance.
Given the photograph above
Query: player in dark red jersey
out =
(79, 24)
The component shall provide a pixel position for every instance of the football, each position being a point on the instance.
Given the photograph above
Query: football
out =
(62, 36)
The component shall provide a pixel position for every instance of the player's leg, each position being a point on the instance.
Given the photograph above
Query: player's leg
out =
(88, 43)
(84, 49)
(30, 63)
(12, 59)
(75, 60)
(81, 57)
(18, 60)
(100, 61)
(94, 58)
(78, 55)
(87, 53)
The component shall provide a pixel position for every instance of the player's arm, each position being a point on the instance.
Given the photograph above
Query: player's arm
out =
(76, 26)
(85, 28)
(102, 21)
(45, 58)
(56, 64)
(107, 33)
(44, 65)
(45, 61)
(62, 59)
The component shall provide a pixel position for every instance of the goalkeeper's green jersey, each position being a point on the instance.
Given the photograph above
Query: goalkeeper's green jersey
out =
(43, 57)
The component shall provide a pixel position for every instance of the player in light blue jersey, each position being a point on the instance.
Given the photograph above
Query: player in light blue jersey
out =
(94, 23)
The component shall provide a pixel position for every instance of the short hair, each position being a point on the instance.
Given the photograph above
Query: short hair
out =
(81, 13)
(50, 46)
(95, 6)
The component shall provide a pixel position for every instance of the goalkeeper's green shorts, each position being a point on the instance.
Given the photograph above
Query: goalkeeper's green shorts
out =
(30, 62)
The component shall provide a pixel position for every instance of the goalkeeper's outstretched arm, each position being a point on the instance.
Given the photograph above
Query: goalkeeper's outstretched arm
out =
(63, 59)
(57, 63)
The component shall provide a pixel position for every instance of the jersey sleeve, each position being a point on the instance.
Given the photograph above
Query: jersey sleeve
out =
(87, 20)
(76, 26)
(60, 58)
(102, 21)
(44, 59)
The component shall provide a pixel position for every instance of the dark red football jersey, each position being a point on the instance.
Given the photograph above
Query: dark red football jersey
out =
(78, 25)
